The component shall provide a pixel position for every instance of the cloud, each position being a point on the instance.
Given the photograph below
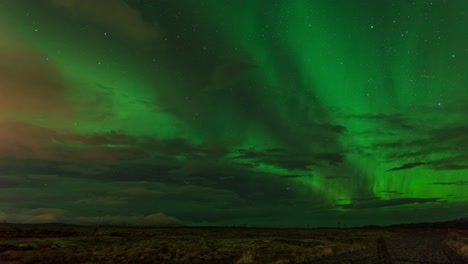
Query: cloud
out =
(201, 181)
(103, 201)
(200, 194)
(56, 215)
(456, 183)
(325, 128)
(116, 15)
(44, 211)
(450, 167)
(28, 141)
(287, 160)
(188, 193)
(21, 196)
(338, 177)
(42, 219)
(380, 203)
(333, 158)
(141, 191)
(30, 83)
(456, 161)
(424, 134)
(397, 121)
(407, 166)
(35, 216)
(156, 219)
(391, 192)
(3, 217)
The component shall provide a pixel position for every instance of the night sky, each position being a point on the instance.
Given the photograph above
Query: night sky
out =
(249, 112)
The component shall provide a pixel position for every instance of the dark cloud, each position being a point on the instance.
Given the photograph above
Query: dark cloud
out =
(393, 122)
(182, 147)
(103, 201)
(440, 144)
(26, 181)
(407, 166)
(444, 164)
(27, 141)
(330, 177)
(450, 167)
(292, 176)
(288, 160)
(451, 134)
(380, 203)
(456, 183)
(278, 157)
(155, 219)
(202, 181)
(56, 215)
(325, 127)
(391, 192)
(240, 180)
(332, 158)
(456, 161)
(335, 128)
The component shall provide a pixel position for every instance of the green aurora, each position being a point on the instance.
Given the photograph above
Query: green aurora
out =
(265, 113)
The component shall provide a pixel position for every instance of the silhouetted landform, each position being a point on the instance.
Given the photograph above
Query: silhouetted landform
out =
(461, 223)
(44, 225)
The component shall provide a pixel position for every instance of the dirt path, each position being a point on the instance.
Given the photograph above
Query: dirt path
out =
(424, 248)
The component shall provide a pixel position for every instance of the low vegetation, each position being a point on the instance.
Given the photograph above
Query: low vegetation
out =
(458, 241)
(43, 245)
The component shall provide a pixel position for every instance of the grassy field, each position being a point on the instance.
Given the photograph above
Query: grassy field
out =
(39, 245)
(458, 241)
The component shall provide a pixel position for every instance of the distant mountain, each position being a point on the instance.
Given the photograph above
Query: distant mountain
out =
(39, 225)
(103, 225)
(461, 223)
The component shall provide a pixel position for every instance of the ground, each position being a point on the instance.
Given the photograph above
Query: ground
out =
(27, 244)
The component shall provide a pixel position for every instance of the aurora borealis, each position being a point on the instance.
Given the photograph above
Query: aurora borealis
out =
(264, 113)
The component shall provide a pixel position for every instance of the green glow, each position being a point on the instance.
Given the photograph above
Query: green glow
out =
(312, 95)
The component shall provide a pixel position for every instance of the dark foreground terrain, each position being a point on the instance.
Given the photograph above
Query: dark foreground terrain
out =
(427, 247)
(40, 244)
